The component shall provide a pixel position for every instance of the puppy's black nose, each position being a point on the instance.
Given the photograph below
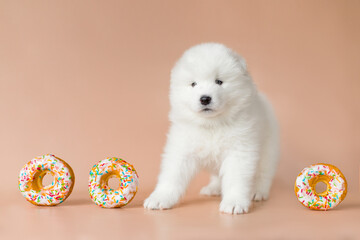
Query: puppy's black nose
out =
(205, 100)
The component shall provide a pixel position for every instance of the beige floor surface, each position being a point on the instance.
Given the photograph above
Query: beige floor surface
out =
(196, 217)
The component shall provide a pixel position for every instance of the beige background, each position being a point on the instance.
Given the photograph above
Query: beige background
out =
(86, 80)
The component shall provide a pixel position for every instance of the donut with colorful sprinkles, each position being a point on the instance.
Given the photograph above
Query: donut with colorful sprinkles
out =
(330, 175)
(32, 174)
(99, 190)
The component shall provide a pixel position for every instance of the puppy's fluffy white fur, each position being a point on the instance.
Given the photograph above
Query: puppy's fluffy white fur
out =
(234, 136)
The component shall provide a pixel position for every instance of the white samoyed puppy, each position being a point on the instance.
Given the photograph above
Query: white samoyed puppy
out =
(219, 122)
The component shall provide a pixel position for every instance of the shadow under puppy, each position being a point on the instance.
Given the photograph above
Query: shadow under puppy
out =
(219, 122)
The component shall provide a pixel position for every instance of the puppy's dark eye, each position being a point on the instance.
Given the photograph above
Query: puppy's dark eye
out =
(193, 84)
(218, 82)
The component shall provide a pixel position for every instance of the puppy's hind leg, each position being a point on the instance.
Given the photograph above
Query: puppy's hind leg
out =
(213, 188)
(267, 167)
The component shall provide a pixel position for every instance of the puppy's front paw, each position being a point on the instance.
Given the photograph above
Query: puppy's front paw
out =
(160, 201)
(234, 206)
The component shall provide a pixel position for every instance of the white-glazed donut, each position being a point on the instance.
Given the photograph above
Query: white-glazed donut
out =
(31, 176)
(310, 176)
(100, 174)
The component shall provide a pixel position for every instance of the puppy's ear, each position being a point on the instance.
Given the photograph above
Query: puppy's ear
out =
(243, 64)
(241, 61)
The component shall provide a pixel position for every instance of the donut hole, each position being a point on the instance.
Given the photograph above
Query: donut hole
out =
(42, 180)
(114, 182)
(47, 180)
(320, 187)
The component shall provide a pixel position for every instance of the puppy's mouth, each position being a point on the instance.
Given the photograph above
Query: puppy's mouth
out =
(207, 110)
